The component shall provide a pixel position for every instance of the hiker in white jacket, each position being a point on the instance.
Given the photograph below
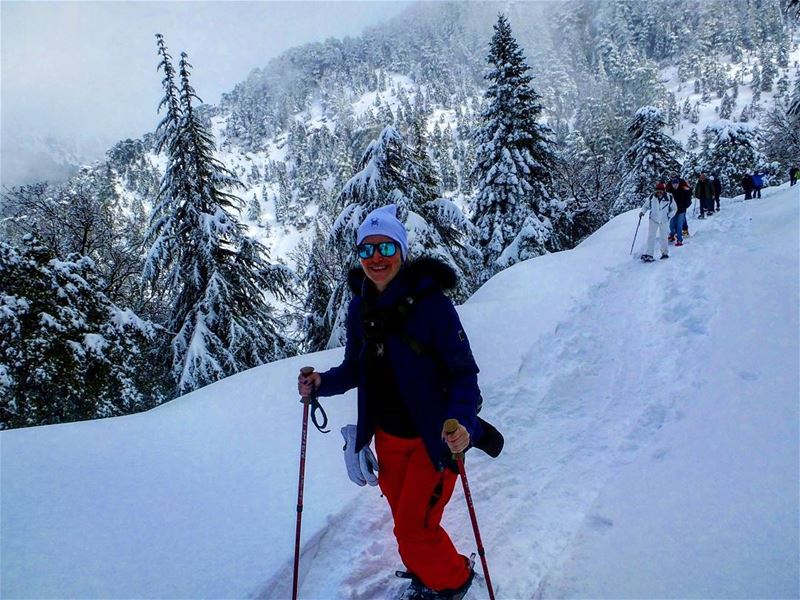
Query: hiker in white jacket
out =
(662, 208)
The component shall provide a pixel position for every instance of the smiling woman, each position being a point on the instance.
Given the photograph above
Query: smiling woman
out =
(378, 240)
(410, 359)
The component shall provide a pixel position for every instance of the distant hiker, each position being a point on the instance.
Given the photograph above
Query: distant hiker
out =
(747, 186)
(794, 175)
(662, 208)
(717, 185)
(687, 191)
(405, 394)
(758, 183)
(704, 192)
(682, 195)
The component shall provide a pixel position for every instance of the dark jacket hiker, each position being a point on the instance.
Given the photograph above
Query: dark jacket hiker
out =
(410, 359)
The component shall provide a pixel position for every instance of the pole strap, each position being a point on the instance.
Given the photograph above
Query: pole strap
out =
(315, 408)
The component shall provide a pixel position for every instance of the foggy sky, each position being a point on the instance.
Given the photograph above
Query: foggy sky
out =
(87, 70)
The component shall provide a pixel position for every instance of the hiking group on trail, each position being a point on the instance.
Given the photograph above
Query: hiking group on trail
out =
(668, 204)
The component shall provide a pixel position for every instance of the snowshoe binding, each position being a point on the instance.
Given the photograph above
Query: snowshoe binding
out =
(417, 590)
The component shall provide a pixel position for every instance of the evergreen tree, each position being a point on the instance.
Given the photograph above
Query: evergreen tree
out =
(83, 216)
(317, 272)
(726, 106)
(781, 139)
(514, 161)
(391, 172)
(755, 83)
(728, 150)
(67, 353)
(439, 228)
(794, 105)
(768, 72)
(652, 156)
(214, 276)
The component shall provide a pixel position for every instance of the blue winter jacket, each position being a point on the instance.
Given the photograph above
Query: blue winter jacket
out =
(437, 384)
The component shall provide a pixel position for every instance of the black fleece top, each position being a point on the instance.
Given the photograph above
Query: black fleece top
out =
(385, 406)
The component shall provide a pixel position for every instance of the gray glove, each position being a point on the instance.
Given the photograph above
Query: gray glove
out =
(362, 465)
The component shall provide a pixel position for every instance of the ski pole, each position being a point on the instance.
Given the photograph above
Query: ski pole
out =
(450, 426)
(306, 400)
(635, 234)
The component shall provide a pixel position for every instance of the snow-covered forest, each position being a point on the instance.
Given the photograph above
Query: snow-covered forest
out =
(220, 241)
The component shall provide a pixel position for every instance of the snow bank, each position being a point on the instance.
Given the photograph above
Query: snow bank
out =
(651, 418)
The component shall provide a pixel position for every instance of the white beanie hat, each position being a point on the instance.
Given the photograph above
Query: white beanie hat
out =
(383, 221)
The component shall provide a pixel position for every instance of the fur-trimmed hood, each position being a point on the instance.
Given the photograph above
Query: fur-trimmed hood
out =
(420, 273)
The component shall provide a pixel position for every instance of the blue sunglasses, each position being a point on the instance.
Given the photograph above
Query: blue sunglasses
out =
(366, 251)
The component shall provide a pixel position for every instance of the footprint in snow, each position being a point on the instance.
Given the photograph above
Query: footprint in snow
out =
(599, 522)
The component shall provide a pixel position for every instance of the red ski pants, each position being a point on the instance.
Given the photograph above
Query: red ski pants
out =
(417, 494)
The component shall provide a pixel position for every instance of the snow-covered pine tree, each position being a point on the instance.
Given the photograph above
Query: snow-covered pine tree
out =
(590, 180)
(755, 83)
(317, 272)
(167, 129)
(726, 106)
(214, 275)
(440, 143)
(67, 353)
(389, 172)
(794, 105)
(514, 162)
(438, 228)
(651, 157)
(769, 72)
(781, 139)
(728, 151)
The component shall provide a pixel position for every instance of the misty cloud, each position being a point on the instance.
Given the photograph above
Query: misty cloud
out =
(83, 74)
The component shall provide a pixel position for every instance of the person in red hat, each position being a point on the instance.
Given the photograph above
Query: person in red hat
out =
(662, 208)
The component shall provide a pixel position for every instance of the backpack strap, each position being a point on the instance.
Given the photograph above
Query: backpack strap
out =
(491, 442)
(404, 309)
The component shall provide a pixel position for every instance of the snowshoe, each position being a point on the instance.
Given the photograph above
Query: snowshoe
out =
(701, 217)
(677, 244)
(663, 256)
(671, 238)
(458, 594)
(647, 258)
(416, 590)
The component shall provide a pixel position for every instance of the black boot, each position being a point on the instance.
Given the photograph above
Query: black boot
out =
(458, 593)
(416, 590)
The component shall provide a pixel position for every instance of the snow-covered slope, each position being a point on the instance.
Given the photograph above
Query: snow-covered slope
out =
(651, 419)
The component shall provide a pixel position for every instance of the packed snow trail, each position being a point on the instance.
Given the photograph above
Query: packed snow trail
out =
(719, 492)
(651, 423)
(582, 401)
